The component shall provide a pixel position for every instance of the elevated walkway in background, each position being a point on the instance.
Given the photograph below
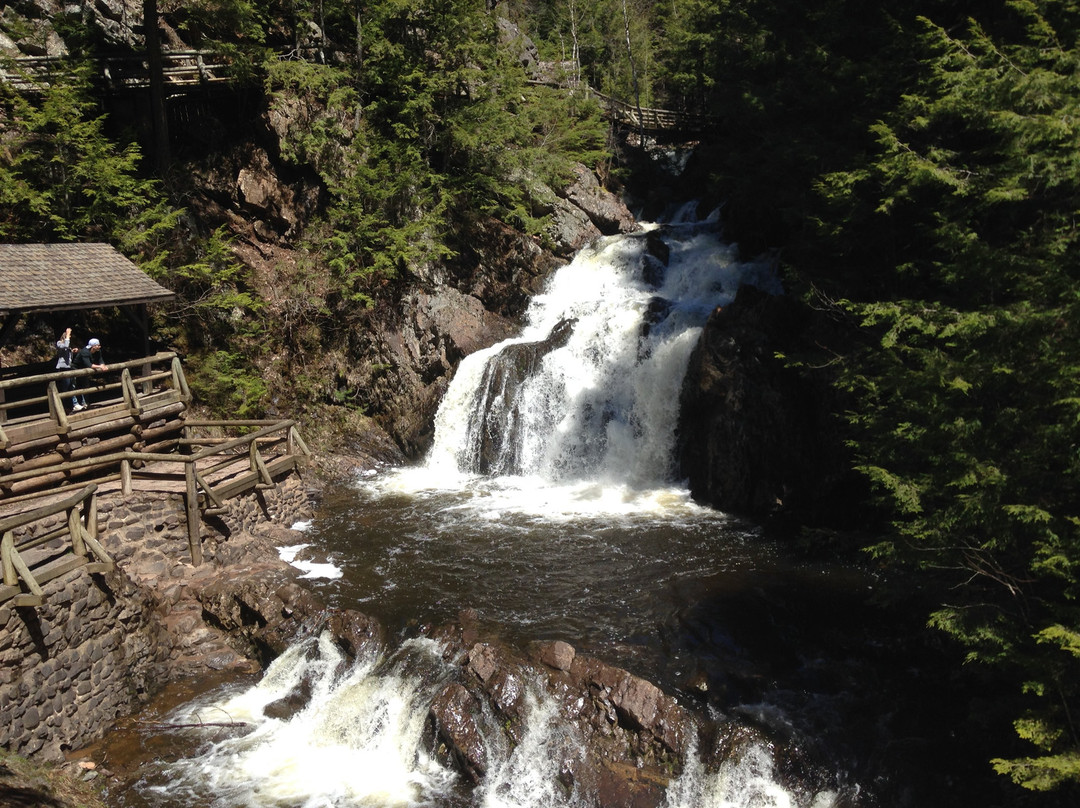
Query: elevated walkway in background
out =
(183, 71)
(137, 435)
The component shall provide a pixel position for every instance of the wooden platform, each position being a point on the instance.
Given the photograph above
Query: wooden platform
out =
(136, 436)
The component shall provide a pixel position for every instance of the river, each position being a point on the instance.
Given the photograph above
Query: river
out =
(550, 505)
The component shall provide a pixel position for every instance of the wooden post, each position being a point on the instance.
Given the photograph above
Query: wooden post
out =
(125, 477)
(75, 529)
(90, 511)
(131, 397)
(194, 542)
(294, 438)
(56, 408)
(7, 553)
(180, 380)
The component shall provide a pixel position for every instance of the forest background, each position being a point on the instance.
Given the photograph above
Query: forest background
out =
(915, 164)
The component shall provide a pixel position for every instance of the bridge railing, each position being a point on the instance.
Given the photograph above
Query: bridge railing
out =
(182, 69)
(36, 546)
(653, 121)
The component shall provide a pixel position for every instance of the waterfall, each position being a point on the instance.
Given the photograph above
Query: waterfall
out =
(589, 390)
(573, 420)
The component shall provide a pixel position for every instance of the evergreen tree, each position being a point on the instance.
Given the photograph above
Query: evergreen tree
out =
(967, 386)
(62, 179)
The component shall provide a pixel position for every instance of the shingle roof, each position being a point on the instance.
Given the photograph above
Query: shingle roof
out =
(53, 277)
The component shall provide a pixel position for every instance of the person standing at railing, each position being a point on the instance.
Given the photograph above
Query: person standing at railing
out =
(88, 357)
(63, 362)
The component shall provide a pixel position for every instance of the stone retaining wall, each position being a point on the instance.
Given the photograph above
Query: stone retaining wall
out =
(100, 645)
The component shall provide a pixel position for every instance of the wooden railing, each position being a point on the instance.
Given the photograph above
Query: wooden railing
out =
(183, 70)
(31, 558)
(223, 469)
(135, 436)
(656, 121)
(24, 399)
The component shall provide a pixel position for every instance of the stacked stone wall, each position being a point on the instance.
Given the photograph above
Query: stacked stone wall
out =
(102, 644)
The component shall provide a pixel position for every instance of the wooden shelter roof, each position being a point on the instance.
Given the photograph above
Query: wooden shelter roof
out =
(57, 277)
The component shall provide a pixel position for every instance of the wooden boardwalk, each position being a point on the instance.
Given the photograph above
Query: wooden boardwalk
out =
(137, 436)
(183, 71)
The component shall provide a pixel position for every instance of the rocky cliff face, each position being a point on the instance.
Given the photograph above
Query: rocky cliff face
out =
(758, 436)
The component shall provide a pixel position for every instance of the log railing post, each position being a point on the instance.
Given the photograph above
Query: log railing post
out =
(192, 505)
(180, 380)
(75, 529)
(131, 396)
(56, 408)
(7, 553)
(90, 515)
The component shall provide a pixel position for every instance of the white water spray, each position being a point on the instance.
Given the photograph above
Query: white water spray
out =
(358, 739)
(585, 423)
(746, 781)
(593, 436)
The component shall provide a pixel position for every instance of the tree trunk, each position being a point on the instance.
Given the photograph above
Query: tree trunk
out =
(633, 73)
(158, 115)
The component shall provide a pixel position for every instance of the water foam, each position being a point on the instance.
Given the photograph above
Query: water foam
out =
(595, 424)
(356, 741)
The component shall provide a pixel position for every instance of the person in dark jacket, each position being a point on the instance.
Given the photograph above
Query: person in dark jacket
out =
(63, 362)
(88, 357)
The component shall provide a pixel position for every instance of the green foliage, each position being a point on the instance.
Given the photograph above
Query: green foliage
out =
(217, 303)
(62, 179)
(435, 127)
(229, 383)
(958, 245)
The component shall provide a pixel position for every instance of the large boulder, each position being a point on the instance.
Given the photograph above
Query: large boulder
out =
(631, 737)
(264, 610)
(604, 209)
(757, 436)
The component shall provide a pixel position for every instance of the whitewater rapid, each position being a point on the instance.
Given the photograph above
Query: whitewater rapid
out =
(594, 437)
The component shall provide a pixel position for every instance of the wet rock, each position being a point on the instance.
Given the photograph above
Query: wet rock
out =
(356, 634)
(456, 713)
(638, 704)
(569, 228)
(262, 608)
(558, 655)
(605, 210)
(758, 436)
(497, 443)
(624, 784)
(287, 706)
(483, 661)
(501, 676)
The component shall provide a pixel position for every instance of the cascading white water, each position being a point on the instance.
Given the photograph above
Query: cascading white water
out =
(593, 430)
(356, 741)
(603, 407)
(748, 781)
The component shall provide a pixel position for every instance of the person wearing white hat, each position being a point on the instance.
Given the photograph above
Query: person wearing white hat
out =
(88, 357)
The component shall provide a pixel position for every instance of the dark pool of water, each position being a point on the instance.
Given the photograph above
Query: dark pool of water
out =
(825, 657)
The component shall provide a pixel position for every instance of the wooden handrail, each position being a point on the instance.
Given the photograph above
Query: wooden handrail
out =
(196, 469)
(80, 506)
(10, 384)
(25, 518)
(173, 375)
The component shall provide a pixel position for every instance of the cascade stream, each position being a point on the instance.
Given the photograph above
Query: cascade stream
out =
(549, 503)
